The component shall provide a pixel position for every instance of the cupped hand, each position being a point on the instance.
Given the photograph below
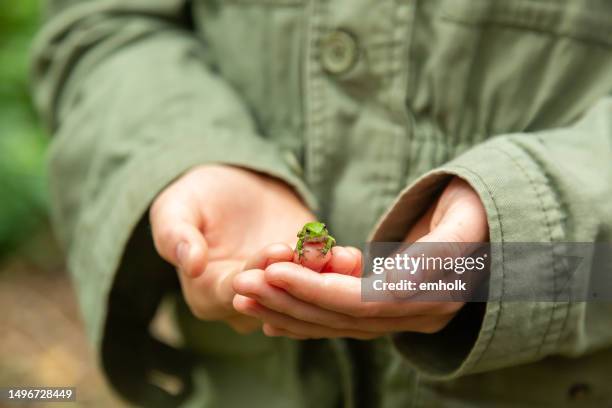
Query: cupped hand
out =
(297, 302)
(210, 221)
(262, 300)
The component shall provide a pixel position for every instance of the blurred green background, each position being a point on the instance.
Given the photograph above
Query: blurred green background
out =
(43, 342)
(22, 141)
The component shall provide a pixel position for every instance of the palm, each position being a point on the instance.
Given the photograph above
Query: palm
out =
(244, 216)
(225, 215)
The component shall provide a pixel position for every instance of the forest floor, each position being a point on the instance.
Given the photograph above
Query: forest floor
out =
(42, 339)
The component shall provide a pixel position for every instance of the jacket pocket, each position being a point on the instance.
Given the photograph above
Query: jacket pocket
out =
(586, 20)
(517, 65)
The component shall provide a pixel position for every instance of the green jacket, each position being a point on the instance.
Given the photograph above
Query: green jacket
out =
(367, 108)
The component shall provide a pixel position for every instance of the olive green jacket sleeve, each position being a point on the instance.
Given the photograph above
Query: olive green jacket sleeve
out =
(132, 101)
(548, 186)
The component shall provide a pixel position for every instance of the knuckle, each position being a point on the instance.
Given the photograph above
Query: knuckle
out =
(272, 331)
(344, 322)
(227, 303)
(198, 312)
(327, 286)
(368, 310)
(162, 238)
(454, 248)
(308, 296)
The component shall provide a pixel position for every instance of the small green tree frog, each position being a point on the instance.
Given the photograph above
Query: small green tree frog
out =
(314, 232)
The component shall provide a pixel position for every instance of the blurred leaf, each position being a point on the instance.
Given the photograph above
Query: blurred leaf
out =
(22, 143)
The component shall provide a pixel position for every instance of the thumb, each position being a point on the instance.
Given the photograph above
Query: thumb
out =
(458, 226)
(459, 216)
(177, 235)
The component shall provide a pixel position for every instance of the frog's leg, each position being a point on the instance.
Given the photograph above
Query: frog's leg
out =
(299, 248)
(329, 243)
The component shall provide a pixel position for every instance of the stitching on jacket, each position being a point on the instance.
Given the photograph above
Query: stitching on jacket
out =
(569, 304)
(314, 104)
(411, 80)
(403, 34)
(556, 305)
(503, 272)
(388, 174)
(533, 185)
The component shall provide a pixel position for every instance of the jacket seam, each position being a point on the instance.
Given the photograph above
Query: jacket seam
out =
(556, 305)
(493, 329)
(533, 184)
(568, 305)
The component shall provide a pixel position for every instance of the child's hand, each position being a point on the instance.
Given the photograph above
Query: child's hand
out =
(343, 260)
(210, 221)
(258, 298)
(297, 302)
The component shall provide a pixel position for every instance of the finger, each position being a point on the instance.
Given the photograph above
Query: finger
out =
(270, 254)
(451, 228)
(357, 270)
(272, 331)
(342, 261)
(460, 214)
(210, 295)
(422, 226)
(244, 324)
(252, 284)
(450, 238)
(299, 328)
(339, 293)
(218, 281)
(280, 301)
(177, 235)
(430, 257)
(313, 257)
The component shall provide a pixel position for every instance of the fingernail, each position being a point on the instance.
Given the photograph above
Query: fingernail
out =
(182, 253)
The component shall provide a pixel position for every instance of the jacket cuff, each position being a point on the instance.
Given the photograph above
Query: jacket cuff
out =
(106, 226)
(521, 206)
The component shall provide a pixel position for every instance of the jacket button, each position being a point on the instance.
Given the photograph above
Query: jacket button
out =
(339, 52)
